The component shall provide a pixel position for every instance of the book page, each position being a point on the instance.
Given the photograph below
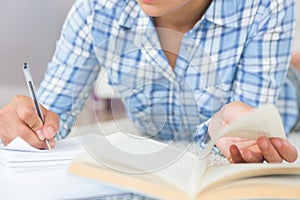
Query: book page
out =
(263, 121)
(186, 176)
(224, 174)
(260, 187)
(138, 156)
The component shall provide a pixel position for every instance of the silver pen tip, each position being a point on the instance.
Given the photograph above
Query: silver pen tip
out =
(48, 144)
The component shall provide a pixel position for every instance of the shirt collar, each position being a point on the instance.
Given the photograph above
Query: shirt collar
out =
(223, 12)
(130, 14)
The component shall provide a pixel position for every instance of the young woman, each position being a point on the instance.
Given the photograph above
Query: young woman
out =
(175, 64)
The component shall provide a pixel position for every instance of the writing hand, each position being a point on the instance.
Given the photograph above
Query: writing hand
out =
(19, 118)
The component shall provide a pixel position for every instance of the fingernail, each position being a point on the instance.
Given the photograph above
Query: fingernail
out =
(234, 150)
(264, 144)
(40, 135)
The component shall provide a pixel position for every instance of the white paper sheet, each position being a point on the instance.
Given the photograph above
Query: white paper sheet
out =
(19, 156)
(30, 173)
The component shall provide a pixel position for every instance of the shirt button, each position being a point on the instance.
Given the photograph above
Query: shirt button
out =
(197, 91)
(147, 119)
(188, 48)
(222, 100)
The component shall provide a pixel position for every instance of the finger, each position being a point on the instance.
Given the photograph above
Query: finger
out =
(269, 152)
(27, 113)
(236, 156)
(285, 149)
(52, 143)
(252, 157)
(51, 125)
(30, 137)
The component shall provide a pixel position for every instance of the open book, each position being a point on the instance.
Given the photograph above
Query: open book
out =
(164, 171)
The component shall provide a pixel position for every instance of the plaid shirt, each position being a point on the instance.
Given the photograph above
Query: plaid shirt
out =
(238, 51)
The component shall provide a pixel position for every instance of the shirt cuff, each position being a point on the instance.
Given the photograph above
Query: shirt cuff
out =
(66, 123)
(204, 140)
(202, 136)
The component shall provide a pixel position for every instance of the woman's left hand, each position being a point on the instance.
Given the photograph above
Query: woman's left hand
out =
(239, 150)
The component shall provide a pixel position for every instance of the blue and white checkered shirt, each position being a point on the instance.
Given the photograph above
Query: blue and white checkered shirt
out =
(238, 51)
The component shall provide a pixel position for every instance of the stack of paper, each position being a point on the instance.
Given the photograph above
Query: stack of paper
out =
(41, 174)
(19, 156)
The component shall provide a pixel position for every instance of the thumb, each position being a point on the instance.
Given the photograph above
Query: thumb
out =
(51, 124)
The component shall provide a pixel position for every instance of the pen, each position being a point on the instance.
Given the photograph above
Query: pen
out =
(31, 88)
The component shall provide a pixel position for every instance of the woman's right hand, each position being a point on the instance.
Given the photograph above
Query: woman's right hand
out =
(19, 118)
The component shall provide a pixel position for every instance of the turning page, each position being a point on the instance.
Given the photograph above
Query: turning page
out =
(263, 121)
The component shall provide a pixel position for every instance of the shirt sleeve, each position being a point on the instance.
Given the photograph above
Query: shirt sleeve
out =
(73, 69)
(261, 72)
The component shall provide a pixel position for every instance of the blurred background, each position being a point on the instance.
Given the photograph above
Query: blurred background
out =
(29, 30)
